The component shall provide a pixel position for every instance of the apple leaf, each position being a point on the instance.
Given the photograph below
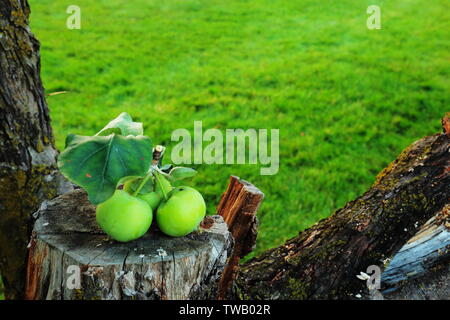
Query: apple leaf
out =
(98, 163)
(166, 168)
(123, 125)
(179, 173)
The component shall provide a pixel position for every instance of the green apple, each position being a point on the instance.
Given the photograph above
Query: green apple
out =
(152, 198)
(124, 217)
(182, 212)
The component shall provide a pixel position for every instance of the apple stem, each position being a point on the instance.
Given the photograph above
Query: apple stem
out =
(158, 181)
(158, 153)
(144, 181)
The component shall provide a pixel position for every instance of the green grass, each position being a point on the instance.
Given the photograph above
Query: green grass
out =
(346, 99)
(2, 297)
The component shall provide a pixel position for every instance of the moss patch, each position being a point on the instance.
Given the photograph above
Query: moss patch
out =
(298, 289)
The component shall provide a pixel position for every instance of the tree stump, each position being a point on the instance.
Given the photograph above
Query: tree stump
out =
(66, 238)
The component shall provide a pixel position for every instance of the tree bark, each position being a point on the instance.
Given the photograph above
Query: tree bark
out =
(323, 261)
(28, 172)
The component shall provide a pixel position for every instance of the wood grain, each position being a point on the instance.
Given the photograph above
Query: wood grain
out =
(238, 207)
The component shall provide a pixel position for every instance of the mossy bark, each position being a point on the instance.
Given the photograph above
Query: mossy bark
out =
(28, 173)
(323, 261)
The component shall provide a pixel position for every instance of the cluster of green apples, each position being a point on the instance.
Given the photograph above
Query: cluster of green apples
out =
(128, 214)
(123, 175)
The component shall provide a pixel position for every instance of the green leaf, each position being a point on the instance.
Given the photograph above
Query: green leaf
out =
(166, 168)
(179, 173)
(98, 163)
(123, 125)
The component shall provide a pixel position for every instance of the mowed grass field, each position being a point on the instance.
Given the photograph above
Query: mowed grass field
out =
(346, 99)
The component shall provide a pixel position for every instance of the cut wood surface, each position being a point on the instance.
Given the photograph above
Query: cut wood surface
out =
(152, 267)
(420, 270)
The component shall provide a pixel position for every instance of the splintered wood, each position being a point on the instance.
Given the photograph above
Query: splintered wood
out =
(238, 207)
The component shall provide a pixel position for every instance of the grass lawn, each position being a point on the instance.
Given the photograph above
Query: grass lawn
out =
(1, 289)
(346, 99)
